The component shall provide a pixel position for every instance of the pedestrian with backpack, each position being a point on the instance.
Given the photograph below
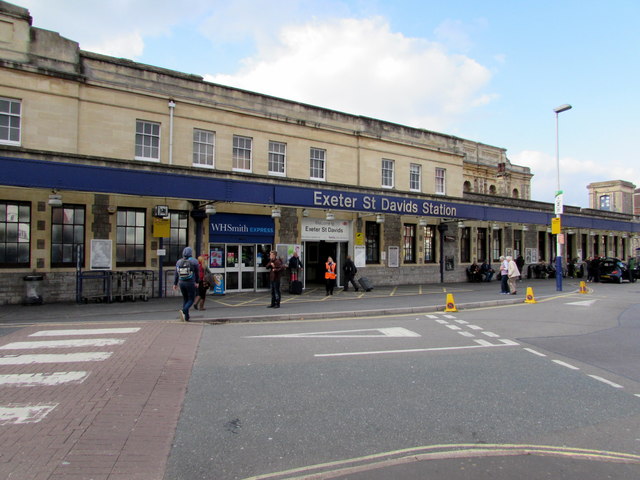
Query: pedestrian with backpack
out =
(187, 277)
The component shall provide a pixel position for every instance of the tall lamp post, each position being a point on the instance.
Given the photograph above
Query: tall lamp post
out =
(558, 202)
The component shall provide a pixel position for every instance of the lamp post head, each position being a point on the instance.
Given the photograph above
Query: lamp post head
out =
(562, 108)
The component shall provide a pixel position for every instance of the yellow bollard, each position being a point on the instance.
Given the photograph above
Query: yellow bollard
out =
(529, 298)
(451, 304)
(583, 287)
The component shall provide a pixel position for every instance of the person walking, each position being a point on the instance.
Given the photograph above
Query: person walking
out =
(504, 270)
(349, 268)
(330, 275)
(275, 267)
(205, 282)
(513, 273)
(186, 277)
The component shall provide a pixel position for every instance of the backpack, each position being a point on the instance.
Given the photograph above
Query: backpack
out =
(184, 269)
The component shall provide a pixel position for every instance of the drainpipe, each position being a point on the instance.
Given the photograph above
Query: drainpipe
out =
(172, 106)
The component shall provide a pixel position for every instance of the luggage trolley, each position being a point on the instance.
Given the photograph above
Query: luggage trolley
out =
(140, 284)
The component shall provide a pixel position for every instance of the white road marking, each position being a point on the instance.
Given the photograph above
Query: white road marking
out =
(442, 322)
(71, 343)
(559, 362)
(462, 322)
(432, 316)
(54, 358)
(530, 350)
(608, 382)
(449, 316)
(490, 334)
(483, 343)
(453, 327)
(413, 350)
(467, 334)
(474, 327)
(18, 414)
(42, 379)
(508, 342)
(583, 303)
(86, 331)
(379, 333)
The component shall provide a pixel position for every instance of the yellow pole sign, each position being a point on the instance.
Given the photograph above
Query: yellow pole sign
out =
(359, 238)
(161, 227)
(555, 225)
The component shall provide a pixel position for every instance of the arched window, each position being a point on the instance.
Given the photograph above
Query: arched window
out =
(516, 193)
(466, 186)
(492, 190)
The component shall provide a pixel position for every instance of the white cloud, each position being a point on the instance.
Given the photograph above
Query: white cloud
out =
(360, 66)
(117, 27)
(575, 175)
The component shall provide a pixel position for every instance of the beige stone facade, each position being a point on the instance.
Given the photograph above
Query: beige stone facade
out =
(115, 139)
(612, 196)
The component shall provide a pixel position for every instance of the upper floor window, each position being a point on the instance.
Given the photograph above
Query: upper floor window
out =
(605, 202)
(415, 177)
(203, 148)
(242, 147)
(147, 140)
(387, 173)
(441, 181)
(130, 242)
(10, 116)
(277, 158)
(67, 235)
(317, 164)
(15, 228)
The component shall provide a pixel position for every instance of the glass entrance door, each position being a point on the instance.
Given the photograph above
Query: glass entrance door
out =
(243, 265)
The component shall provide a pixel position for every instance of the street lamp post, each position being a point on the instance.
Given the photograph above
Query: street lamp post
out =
(558, 201)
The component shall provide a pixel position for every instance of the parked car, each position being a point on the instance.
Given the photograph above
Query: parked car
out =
(615, 270)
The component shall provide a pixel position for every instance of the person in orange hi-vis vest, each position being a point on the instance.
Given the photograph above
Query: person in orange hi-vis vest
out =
(330, 275)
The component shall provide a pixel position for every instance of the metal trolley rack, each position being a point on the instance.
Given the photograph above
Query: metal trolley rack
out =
(98, 288)
(139, 284)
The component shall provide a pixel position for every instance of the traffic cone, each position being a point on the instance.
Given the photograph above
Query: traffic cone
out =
(529, 298)
(583, 287)
(451, 304)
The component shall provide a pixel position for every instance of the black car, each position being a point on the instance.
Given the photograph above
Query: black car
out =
(615, 270)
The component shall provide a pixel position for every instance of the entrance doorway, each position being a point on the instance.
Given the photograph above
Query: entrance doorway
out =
(243, 265)
(315, 257)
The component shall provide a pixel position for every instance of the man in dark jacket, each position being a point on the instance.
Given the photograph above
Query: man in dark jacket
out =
(350, 270)
(275, 267)
(187, 276)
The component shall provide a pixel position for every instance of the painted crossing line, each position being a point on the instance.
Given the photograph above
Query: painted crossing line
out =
(34, 358)
(85, 331)
(16, 414)
(42, 379)
(70, 343)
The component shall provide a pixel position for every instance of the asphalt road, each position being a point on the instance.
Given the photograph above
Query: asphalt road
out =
(489, 393)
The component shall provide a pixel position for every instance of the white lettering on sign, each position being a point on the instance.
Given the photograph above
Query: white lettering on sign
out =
(334, 200)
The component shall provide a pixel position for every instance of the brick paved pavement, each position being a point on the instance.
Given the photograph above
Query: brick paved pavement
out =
(118, 424)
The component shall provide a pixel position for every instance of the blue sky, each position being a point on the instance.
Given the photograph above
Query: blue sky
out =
(489, 71)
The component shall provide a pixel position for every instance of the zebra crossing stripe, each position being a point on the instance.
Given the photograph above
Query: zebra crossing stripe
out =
(86, 331)
(42, 379)
(28, 413)
(54, 358)
(76, 342)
